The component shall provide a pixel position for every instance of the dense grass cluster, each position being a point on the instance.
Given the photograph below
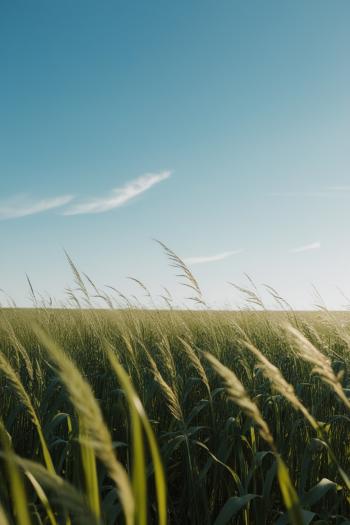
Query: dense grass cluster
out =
(151, 416)
(220, 444)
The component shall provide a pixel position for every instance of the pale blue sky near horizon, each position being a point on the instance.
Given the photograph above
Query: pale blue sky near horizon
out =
(233, 118)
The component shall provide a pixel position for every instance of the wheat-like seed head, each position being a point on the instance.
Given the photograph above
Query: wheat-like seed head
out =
(167, 355)
(170, 395)
(321, 363)
(194, 359)
(128, 345)
(16, 384)
(274, 375)
(18, 347)
(186, 274)
(89, 411)
(239, 396)
(21, 392)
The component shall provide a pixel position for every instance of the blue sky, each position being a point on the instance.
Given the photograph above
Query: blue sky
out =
(221, 128)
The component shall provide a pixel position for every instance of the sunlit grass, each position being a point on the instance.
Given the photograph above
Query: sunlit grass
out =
(151, 416)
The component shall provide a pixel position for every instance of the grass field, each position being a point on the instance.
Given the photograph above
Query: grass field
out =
(148, 416)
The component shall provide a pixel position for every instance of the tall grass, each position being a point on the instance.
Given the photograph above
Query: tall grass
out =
(143, 416)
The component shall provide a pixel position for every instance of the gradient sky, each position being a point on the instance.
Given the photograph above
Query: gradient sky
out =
(221, 128)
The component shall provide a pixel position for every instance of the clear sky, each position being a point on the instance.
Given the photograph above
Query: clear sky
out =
(221, 128)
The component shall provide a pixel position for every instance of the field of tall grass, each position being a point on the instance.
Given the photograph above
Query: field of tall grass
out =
(135, 416)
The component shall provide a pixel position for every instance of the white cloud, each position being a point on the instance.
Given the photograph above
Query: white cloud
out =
(313, 246)
(119, 196)
(210, 258)
(22, 206)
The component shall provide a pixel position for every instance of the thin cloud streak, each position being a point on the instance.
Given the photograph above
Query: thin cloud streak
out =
(306, 248)
(22, 206)
(211, 258)
(119, 196)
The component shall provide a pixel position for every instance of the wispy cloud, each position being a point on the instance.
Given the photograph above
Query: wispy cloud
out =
(22, 206)
(118, 196)
(211, 258)
(313, 246)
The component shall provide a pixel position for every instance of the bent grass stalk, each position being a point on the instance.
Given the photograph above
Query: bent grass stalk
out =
(89, 412)
(322, 366)
(21, 393)
(274, 375)
(18, 493)
(63, 492)
(139, 418)
(239, 396)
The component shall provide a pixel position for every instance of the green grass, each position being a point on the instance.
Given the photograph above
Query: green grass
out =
(112, 402)
(151, 416)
